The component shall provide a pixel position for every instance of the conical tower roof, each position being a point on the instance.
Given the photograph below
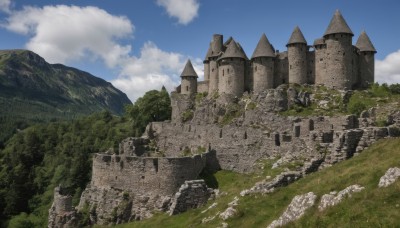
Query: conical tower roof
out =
(233, 50)
(189, 71)
(364, 43)
(338, 25)
(263, 49)
(228, 41)
(297, 37)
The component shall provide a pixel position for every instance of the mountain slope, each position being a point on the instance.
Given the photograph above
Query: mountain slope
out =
(32, 90)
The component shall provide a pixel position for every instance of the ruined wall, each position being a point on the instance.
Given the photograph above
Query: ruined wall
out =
(297, 56)
(338, 56)
(231, 76)
(180, 103)
(145, 174)
(263, 74)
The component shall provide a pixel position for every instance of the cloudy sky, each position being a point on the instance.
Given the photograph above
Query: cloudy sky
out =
(143, 44)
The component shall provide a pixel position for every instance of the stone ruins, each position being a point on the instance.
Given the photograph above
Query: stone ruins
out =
(235, 126)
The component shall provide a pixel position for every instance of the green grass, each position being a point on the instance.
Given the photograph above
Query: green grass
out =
(373, 207)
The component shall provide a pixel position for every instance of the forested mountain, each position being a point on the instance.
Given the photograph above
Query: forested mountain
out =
(32, 90)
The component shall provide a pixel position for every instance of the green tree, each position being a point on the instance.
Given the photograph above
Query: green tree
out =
(153, 106)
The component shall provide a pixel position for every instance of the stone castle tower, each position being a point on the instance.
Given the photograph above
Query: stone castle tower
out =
(332, 61)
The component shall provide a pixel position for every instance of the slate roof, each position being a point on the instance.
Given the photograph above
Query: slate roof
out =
(233, 50)
(319, 41)
(297, 37)
(338, 25)
(364, 43)
(189, 71)
(264, 48)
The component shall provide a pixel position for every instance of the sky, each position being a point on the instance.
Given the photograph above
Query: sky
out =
(141, 45)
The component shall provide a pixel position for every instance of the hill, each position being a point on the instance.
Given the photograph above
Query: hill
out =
(372, 207)
(32, 90)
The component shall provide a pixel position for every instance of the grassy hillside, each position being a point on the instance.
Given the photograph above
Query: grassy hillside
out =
(373, 207)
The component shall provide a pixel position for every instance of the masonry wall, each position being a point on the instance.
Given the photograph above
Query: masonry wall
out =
(145, 174)
(263, 74)
(202, 87)
(320, 64)
(189, 85)
(206, 70)
(367, 68)
(311, 67)
(213, 84)
(281, 69)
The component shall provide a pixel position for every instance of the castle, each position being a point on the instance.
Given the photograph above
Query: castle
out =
(331, 61)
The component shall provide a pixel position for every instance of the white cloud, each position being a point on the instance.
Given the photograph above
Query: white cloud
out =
(153, 69)
(63, 34)
(5, 5)
(184, 10)
(388, 69)
(67, 34)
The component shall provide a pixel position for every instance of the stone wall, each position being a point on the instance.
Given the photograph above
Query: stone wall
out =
(61, 213)
(297, 56)
(263, 74)
(202, 87)
(145, 174)
(231, 73)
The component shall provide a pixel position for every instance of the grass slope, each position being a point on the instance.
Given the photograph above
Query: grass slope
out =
(373, 207)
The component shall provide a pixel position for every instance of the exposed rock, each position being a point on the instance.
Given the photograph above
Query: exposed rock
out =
(230, 211)
(391, 175)
(192, 194)
(281, 180)
(209, 218)
(333, 198)
(210, 207)
(295, 210)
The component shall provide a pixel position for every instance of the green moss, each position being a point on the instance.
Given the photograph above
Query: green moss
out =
(187, 115)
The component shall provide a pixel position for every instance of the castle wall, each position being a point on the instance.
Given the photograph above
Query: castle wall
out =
(206, 71)
(311, 67)
(338, 61)
(320, 65)
(367, 68)
(213, 84)
(161, 176)
(297, 56)
(281, 69)
(202, 87)
(231, 76)
(189, 85)
(263, 74)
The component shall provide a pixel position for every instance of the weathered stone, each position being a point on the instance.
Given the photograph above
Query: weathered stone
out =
(295, 210)
(61, 213)
(391, 175)
(333, 198)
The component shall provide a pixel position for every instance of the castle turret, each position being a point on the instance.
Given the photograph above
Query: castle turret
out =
(367, 60)
(263, 65)
(206, 63)
(232, 70)
(189, 79)
(216, 49)
(297, 56)
(338, 56)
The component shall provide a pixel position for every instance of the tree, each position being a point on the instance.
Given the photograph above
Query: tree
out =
(153, 106)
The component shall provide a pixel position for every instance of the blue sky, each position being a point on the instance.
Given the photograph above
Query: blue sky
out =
(143, 44)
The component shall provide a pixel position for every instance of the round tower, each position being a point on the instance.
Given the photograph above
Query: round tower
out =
(338, 55)
(206, 63)
(189, 79)
(297, 57)
(320, 67)
(263, 65)
(216, 49)
(367, 60)
(231, 70)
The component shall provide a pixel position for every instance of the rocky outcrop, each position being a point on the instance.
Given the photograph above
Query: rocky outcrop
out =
(265, 186)
(295, 210)
(333, 198)
(192, 194)
(231, 210)
(391, 175)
